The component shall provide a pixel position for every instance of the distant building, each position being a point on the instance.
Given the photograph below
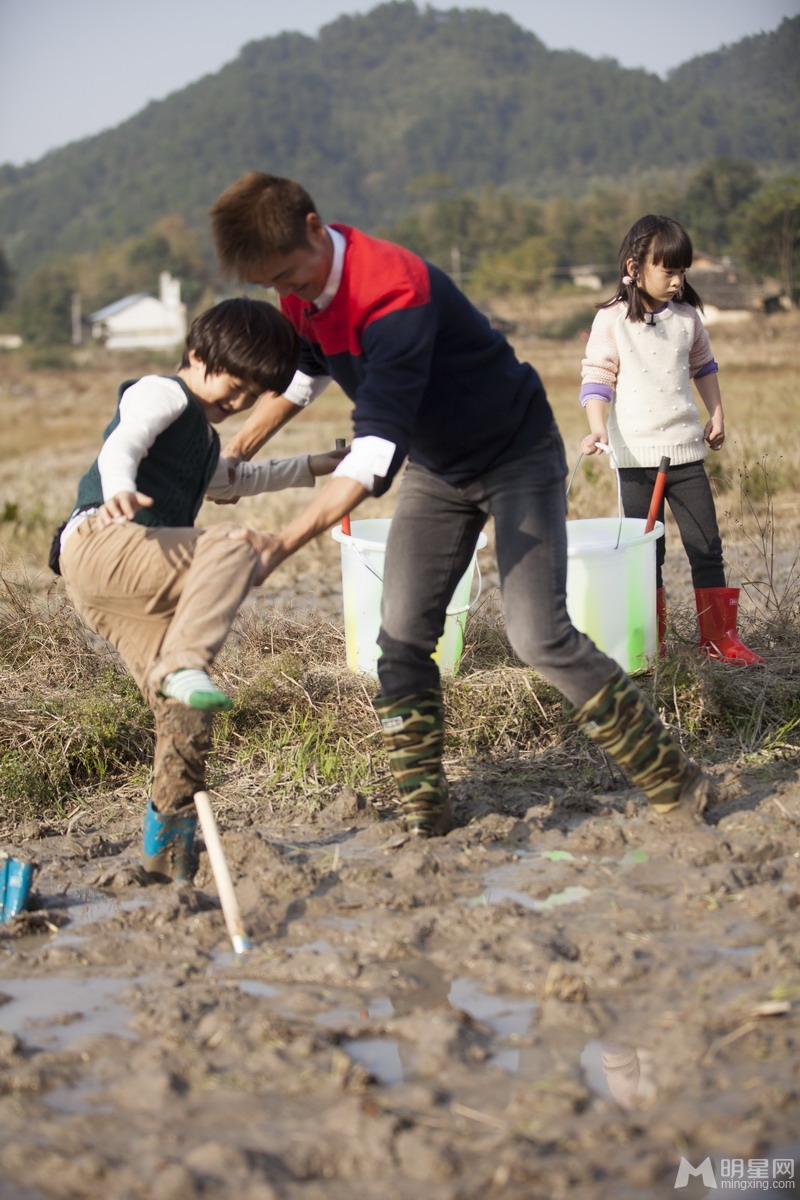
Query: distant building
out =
(588, 276)
(729, 293)
(140, 322)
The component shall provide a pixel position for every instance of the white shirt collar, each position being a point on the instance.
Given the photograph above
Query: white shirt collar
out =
(337, 266)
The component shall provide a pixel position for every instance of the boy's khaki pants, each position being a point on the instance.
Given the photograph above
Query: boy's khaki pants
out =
(165, 599)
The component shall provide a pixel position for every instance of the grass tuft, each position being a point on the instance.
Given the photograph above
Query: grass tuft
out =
(75, 733)
(74, 727)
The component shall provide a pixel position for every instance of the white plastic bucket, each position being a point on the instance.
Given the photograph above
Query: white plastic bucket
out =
(363, 552)
(611, 581)
(611, 587)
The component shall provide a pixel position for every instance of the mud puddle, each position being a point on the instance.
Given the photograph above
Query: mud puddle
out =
(559, 1004)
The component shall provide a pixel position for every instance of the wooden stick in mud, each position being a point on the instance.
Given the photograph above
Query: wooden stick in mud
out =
(222, 876)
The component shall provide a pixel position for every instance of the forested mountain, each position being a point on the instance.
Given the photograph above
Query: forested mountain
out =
(761, 70)
(377, 103)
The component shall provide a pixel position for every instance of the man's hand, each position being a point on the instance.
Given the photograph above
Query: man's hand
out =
(341, 495)
(268, 547)
(122, 507)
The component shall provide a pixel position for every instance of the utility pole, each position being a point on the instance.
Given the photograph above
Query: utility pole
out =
(455, 264)
(75, 315)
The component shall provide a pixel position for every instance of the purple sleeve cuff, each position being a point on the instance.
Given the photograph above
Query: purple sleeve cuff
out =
(710, 368)
(596, 391)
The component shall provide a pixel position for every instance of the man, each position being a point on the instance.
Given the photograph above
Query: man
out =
(433, 383)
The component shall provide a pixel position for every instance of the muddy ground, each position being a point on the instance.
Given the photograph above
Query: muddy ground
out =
(557, 1004)
(561, 999)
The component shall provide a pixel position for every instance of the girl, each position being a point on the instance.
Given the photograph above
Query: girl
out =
(646, 346)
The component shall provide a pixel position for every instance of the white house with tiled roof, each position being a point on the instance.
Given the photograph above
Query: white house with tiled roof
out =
(142, 322)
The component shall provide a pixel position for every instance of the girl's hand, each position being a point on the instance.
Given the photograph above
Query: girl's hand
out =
(589, 443)
(121, 507)
(323, 464)
(714, 432)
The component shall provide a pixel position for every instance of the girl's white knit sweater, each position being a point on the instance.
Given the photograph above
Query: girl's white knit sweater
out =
(646, 372)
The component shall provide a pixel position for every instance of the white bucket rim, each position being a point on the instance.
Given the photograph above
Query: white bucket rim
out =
(365, 543)
(617, 544)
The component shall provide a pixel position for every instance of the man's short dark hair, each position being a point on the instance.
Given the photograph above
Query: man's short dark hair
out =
(249, 339)
(256, 218)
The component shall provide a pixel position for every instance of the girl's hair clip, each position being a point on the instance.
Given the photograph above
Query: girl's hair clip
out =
(627, 280)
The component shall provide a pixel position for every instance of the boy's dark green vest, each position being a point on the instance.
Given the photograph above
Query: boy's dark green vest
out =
(175, 471)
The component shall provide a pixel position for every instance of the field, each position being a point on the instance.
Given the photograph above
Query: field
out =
(561, 999)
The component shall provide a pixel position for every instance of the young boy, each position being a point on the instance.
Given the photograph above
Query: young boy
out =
(432, 382)
(162, 592)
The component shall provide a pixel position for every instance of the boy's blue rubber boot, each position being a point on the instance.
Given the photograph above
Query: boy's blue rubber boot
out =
(169, 850)
(15, 886)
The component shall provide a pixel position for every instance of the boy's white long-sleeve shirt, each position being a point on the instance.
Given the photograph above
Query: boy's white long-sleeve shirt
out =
(149, 407)
(146, 409)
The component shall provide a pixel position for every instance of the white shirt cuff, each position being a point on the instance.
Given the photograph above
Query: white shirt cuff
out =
(305, 388)
(369, 459)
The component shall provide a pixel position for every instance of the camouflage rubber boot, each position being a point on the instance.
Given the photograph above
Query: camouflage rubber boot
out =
(413, 734)
(623, 723)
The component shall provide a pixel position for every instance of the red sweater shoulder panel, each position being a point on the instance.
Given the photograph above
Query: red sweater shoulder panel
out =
(378, 278)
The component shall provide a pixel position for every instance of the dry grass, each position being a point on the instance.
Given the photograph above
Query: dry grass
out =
(73, 727)
(57, 417)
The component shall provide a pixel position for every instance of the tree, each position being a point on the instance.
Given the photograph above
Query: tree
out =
(7, 278)
(520, 271)
(770, 232)
(714, 195)
(45, 305)
(117, 269)
(169, 246)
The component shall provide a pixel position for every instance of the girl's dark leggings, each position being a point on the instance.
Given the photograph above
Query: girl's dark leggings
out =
(688, 493)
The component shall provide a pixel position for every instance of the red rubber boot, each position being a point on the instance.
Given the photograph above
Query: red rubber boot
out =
(661, 620)
(716, 612)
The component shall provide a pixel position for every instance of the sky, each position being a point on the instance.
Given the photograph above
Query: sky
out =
(71, 68)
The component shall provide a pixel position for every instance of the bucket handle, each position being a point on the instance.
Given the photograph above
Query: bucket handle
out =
(456, 612)
(606, 450)
(449, 612)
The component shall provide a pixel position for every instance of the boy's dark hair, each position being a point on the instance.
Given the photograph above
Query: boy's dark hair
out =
(671, 247)
(249, 339)
(257, 217)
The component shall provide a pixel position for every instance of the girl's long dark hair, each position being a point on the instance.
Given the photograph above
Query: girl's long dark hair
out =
(671, 247)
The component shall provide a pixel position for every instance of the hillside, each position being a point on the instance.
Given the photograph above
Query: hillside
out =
(376, 102)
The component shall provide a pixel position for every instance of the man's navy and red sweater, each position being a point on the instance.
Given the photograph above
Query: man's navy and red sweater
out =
(425, 369)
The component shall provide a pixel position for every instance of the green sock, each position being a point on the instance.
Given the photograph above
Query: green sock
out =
(195, 690)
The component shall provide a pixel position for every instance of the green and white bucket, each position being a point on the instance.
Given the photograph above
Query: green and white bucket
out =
(363, 551)
(611, 584)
